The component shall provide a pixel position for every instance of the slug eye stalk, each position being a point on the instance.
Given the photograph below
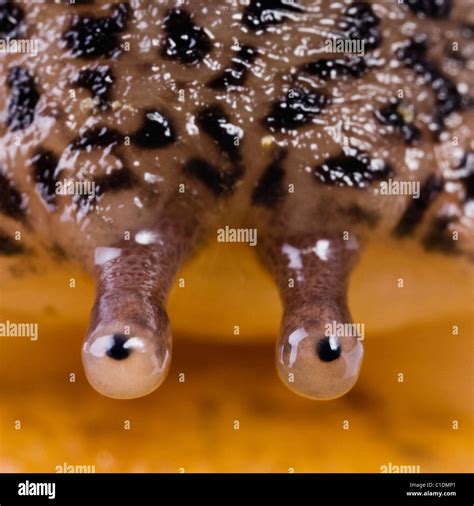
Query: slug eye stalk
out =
(127, 349)
(312, 358)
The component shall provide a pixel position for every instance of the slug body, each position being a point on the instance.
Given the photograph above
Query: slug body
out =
(171, 120)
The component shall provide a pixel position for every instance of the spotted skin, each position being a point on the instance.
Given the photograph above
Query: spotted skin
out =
(186, 117)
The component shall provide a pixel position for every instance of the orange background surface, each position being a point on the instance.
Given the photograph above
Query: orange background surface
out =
(190, 426)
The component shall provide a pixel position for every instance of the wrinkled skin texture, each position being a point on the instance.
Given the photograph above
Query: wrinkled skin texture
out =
(191, 117)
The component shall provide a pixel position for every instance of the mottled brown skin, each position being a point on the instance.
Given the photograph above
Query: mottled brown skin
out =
(268, 166)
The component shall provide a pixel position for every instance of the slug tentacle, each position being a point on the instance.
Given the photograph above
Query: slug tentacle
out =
(313, 357)
(127, 350)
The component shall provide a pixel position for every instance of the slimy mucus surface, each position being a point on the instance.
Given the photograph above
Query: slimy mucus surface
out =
(173, 121)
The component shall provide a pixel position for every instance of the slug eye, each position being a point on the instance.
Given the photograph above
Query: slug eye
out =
(118, 346)
(318, 367)
(125, 366)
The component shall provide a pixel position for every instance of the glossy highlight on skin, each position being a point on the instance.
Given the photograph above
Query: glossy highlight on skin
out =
(308, 372)
(232, 114)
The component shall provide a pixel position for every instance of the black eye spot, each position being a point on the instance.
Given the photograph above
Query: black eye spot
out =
(361, 23)
(92, 37)
(260, 14)
(11, 203)
(156, 131)
(328, 69)
(431, 8)
(8, 246)
(98, 81)
(185, 42)
(11, 17)
(399, 115)
(44, 173)
(117, 351)
(23, 99)
(237, 73)
(298, 109)
(327, 350)
(354, 170)
(215, 122)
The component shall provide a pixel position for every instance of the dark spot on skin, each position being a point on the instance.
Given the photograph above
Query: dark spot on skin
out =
(448, 99)
(354, 169)
(336, 68)
(439, 238)
(220, 183)
(260, 14)
(325, 352)
(58, 252)
(236, 74)
(398, 115)
(467, 30)
(269, 190)
(118, 351)
(185, 41)
(23, 99)
(11, 203)
(94, 37)
(465, 173)
(430, 8)
(96, 137)
(44, 174)
(361, 23)
(8, 245)
(79, 2)
(11, 17)
(156, 131)
(117, 180)
(413, 54)
(358, 214)
(453, 54)
(215, 122)
(296, 110)
(415, 211)
(98, 81)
